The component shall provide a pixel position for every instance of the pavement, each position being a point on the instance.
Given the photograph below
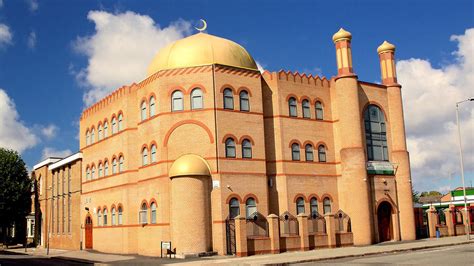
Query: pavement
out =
(93, 257)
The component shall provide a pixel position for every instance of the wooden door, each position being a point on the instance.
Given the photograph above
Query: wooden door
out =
(384, 216)
(88, 234)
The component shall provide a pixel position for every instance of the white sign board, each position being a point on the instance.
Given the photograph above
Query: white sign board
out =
(216, 184)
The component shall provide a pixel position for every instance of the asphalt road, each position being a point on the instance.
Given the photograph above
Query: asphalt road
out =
(11, 258)
(454, 255)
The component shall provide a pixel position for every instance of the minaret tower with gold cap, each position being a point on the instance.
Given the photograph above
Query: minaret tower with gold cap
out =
(352, 185)
(399, 155)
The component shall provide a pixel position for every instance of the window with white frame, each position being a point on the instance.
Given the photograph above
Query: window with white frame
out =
(114, 166)
(143, 110)
(244, 101)
(295, 152)
(153, 213)
(143, 213)
(177, 101)
(299, 205)
(152, 106)
(246, 149)
(293, 109)
(319, 111)
(114, 125)
(106, 129)
(145, 156)
(120, 210)
(309, 152)
(196, 99)
(306, 109)
(106, 168)
(228, 99)
(153, 153)
(120, 122)
(250, 207)
(230, 148)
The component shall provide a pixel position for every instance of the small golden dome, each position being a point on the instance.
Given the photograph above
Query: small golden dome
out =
(342, 34)
(385, 47)
(189, 165)
(201, 49)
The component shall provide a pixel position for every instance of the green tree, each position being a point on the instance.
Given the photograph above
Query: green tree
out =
(416, 196)
(430, 193)
(15, 189)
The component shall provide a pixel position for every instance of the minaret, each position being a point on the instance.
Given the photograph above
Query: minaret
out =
(399, 155)
(353, 192)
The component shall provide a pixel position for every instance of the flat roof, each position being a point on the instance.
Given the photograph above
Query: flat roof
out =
(46, 161)
(69, 159)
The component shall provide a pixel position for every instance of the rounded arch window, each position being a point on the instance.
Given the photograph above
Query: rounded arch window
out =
(250, 207)
(120, 122)
(306, 109)
(228, 99)
(92, 173)
(196, 99)
(114, 125)
(88, 137)
(114, 166)
(322, 153)
(153, 153)
(327, 205)
(106, 168)
(100, 170)
(246, 149)
(143, 213)
(234, 208)
(299, 205)
(120, 210)
(145, 156)
(143, 111)
(177, 101)
(99, 217)
(319, 110)
(92, 136)
(105, 217)
(106, 129)
(100, 132)
(153, 213)
(121, 164)
(293, 109)
(244, 101)
(114, 221)
(309, 152)
(230, 148)
(375, 134)
(313, 206)
(152, 106)
(295, 152)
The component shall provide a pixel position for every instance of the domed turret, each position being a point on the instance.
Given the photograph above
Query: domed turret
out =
(386, 47)
(201, 49)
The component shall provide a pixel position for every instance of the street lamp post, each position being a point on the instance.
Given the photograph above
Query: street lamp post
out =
(468, 225)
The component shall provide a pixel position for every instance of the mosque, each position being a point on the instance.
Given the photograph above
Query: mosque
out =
(213, 155)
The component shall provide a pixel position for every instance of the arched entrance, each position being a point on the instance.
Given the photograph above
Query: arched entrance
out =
(384, 217)
(88, 233)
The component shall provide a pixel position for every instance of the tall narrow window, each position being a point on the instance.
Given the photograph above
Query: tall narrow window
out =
(314, 206)
(93, 172)
(121, 164)
(145, 156)
(100, 132)
(295, 152)
(120, 122)
(299, 205)
(99, 217)
(230, 148)
(88, 174)
(228, 99)
(106, 129)
(119, 215)
(244, 101)
(143, 213)
(153, 153)
(306, 109)
(309, 152)
(152, 106)
(319, 111)
(143, 111)
(114, 166)
(106, 168)
(69, 216)
(375, 134)
(177, 101)
(196, 99)
(153, 213)
(246, 149)
(322, 153)
(100, 169)
(105, 217)
(292, 107)
(327, 205)
(250, 207)
(234, 208)
(88, 138)
(113, 215)
(114, 125)
(92, 136)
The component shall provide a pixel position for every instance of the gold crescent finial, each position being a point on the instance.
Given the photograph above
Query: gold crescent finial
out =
(204, 26)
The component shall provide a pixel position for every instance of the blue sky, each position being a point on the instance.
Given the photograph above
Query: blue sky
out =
(46, 50)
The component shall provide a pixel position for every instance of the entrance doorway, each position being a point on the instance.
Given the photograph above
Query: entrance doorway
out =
(230, 236)
(88, 234)
(384, 217)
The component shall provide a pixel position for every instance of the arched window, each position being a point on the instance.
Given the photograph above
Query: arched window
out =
(113, 216)
(196, 99)
(121, 164)
(309, 152)
(143, 111)
(105, 217)
(93, 172)
(145, 156)
(99, 217)
(230, 148)
(244, 101)
(246, 149)
(299, 205)
(100, 170)
(114, 166)
(177, 101)
(295, 152)
(234, 208)
(119, 215)
(250, 207)
(92, 136)
(106, 129)
(114, 125)
(120, 122)
(152, 106)
(88, 173)
(106, 168)
(306, 109)
(313, 205)
(292, 107)
(327, 205)
(88, 138)
(319, 111)
(100, 132)
(143, 213)
(153, 213)
(153, 153)
(375, 134)
(228, 99)
(322, 153)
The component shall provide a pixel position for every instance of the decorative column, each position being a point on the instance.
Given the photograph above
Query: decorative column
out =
(353, 189)
(448, 213)
(399, 154)
(274, 233)
(432, 221)
(240, 236)
(303, 231)
(330, 229)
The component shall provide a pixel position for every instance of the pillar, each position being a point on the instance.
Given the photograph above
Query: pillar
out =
(330, 229)
(274, 233)
(399, 154)
(303, 231)
(432, 221)
(241, 236)
(396, 227)
(353, 189)
(449, 222)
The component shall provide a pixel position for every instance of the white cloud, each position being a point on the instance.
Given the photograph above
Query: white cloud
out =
(5, 35)
(33, 5)
(13, 133)
(1, 3)
(120, 50)
(49, 131)
(52, 152)
(31, 40)
(430, 95)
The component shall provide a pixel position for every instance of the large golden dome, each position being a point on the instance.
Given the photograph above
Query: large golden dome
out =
(189, 165)
(201, 49)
